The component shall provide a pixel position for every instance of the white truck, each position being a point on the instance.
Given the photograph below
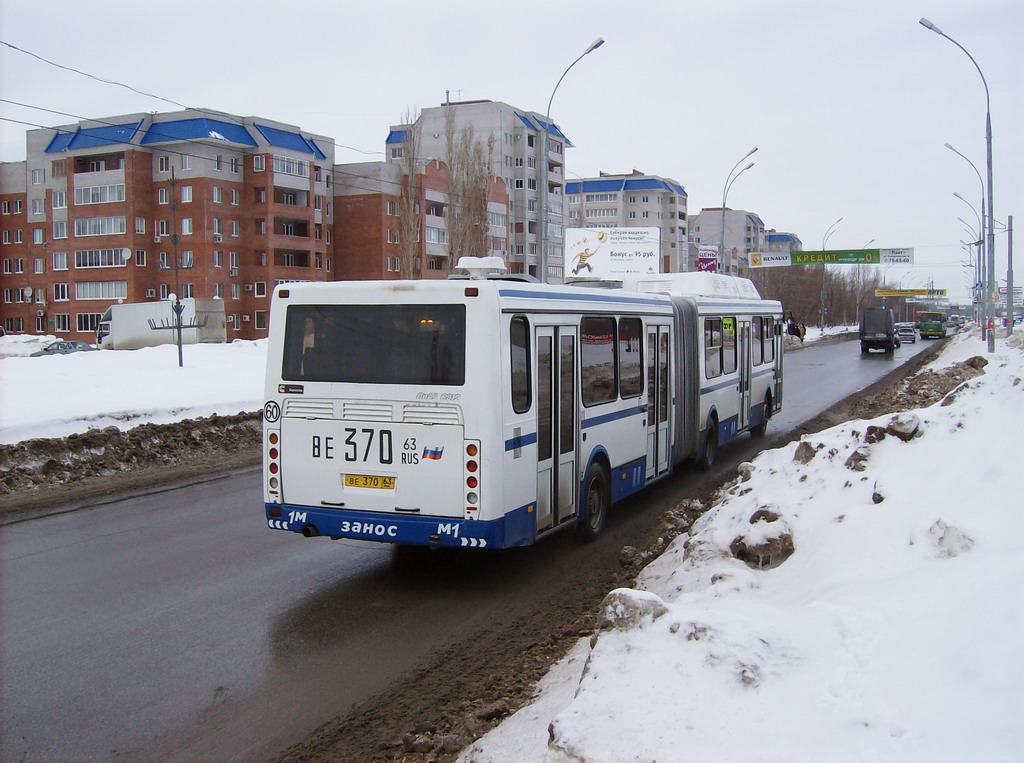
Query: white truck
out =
(129, 326)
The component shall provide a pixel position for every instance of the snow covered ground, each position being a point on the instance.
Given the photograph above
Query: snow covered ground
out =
(892, 633)
(63, 394)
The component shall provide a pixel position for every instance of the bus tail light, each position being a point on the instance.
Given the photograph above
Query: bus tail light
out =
(272, 460)
(472, 468)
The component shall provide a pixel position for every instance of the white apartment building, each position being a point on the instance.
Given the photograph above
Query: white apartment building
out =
(634, 200)
(744, 233)
(513, 140)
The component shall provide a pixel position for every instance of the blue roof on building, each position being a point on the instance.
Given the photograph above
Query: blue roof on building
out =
(197, 129)
(756, 219)
(90, 137)
(396, 136)
(291, 140)
(607, 185)
(774, 237)
(527, 122)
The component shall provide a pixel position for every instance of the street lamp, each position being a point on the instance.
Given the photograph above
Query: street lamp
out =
(980, 238)
(990, 304)
(729, 180)
(544, 159)
(824, 242)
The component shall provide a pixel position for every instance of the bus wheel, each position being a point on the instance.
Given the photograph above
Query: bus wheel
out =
(595, 502)
(762, 428)
(707, 460)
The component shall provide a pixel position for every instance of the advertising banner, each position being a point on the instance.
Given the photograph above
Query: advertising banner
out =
(610, 252)
(770, 259)
(707, 259)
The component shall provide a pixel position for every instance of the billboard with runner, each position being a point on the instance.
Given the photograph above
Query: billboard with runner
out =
(611, 252)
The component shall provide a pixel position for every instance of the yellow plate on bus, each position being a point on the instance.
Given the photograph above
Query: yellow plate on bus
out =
(371, 481)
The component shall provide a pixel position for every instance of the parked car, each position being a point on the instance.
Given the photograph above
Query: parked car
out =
(906, 332)
(62, 348)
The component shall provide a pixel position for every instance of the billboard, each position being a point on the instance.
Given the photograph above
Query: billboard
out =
(610, 252)
(707, 259)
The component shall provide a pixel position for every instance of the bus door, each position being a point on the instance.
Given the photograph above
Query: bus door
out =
(745, 370)
(557, 424)
(658, 391)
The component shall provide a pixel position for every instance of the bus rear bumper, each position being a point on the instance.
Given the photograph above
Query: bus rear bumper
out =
(516, 528)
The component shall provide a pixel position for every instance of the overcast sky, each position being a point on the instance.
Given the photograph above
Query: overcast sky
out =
(848, 103)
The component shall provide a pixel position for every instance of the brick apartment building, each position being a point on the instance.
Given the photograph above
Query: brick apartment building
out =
(104, 211)
(367, 214)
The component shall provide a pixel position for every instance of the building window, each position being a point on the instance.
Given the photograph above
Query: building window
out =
(288, 166)
(163, 164)
(60, 292)
(140, 258)
(236, 291)
(140, 224)
(37, 177)
(235, 230)
(164, 291)
(218, 194)
(163, 196)
(393, 264)
(36, 206)
(188, 291)
(186, 162)
(62, 323)
(39, 265)
(234, 164)
(60, 260)
(218, 291)
(163, 228)
(218, 258)
(58, 168)
(100, 226)
(101, 290)
(99, 258)
(260, 319)
(88, 322)
(236, 197)
(392, 236)
(186, 226)
(59, 199)
(234, 260)
(186, 194)
(99, 194)
(259, 163)
(397, 152)
(37, 235)
(218, 226)
(391, 208)
(261, 289)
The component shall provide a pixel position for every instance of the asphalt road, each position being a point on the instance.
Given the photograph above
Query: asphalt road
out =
(175, 626)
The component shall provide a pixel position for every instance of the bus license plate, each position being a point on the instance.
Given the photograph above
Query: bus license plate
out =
(371, 481)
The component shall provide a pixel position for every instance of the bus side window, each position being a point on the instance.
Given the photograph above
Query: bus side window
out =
(597, 359)
(769, 339)
(519, 344)
(728, 345)
(757, 340)
(631, 380)
(712, 347)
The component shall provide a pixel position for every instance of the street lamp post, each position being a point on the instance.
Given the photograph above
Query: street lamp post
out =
(729, 180)
(544, 161)
(824, 242)
(860, 283)
(977, 290)
(990, 286)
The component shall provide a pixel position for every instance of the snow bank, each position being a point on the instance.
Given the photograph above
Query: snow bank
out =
(58, 395)
(891, 632)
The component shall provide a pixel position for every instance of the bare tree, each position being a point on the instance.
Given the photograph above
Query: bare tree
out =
(469, 161)
(409, 198)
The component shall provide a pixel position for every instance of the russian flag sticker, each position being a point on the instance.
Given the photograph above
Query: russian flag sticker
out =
(433, 454)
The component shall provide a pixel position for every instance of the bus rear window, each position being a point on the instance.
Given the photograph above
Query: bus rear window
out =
(376, 344)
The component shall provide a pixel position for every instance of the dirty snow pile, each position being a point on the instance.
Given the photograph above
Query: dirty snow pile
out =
(59, 395)
(853, 596)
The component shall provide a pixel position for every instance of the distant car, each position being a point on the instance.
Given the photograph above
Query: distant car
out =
(906, 332)
(62, 348)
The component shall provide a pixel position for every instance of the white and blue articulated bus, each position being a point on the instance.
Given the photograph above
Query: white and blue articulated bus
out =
(488, 412)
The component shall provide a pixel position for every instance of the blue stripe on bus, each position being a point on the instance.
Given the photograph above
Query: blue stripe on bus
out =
(583, 297)
(518, 442)
(720, 385)
(614, 416)
(516, 528)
